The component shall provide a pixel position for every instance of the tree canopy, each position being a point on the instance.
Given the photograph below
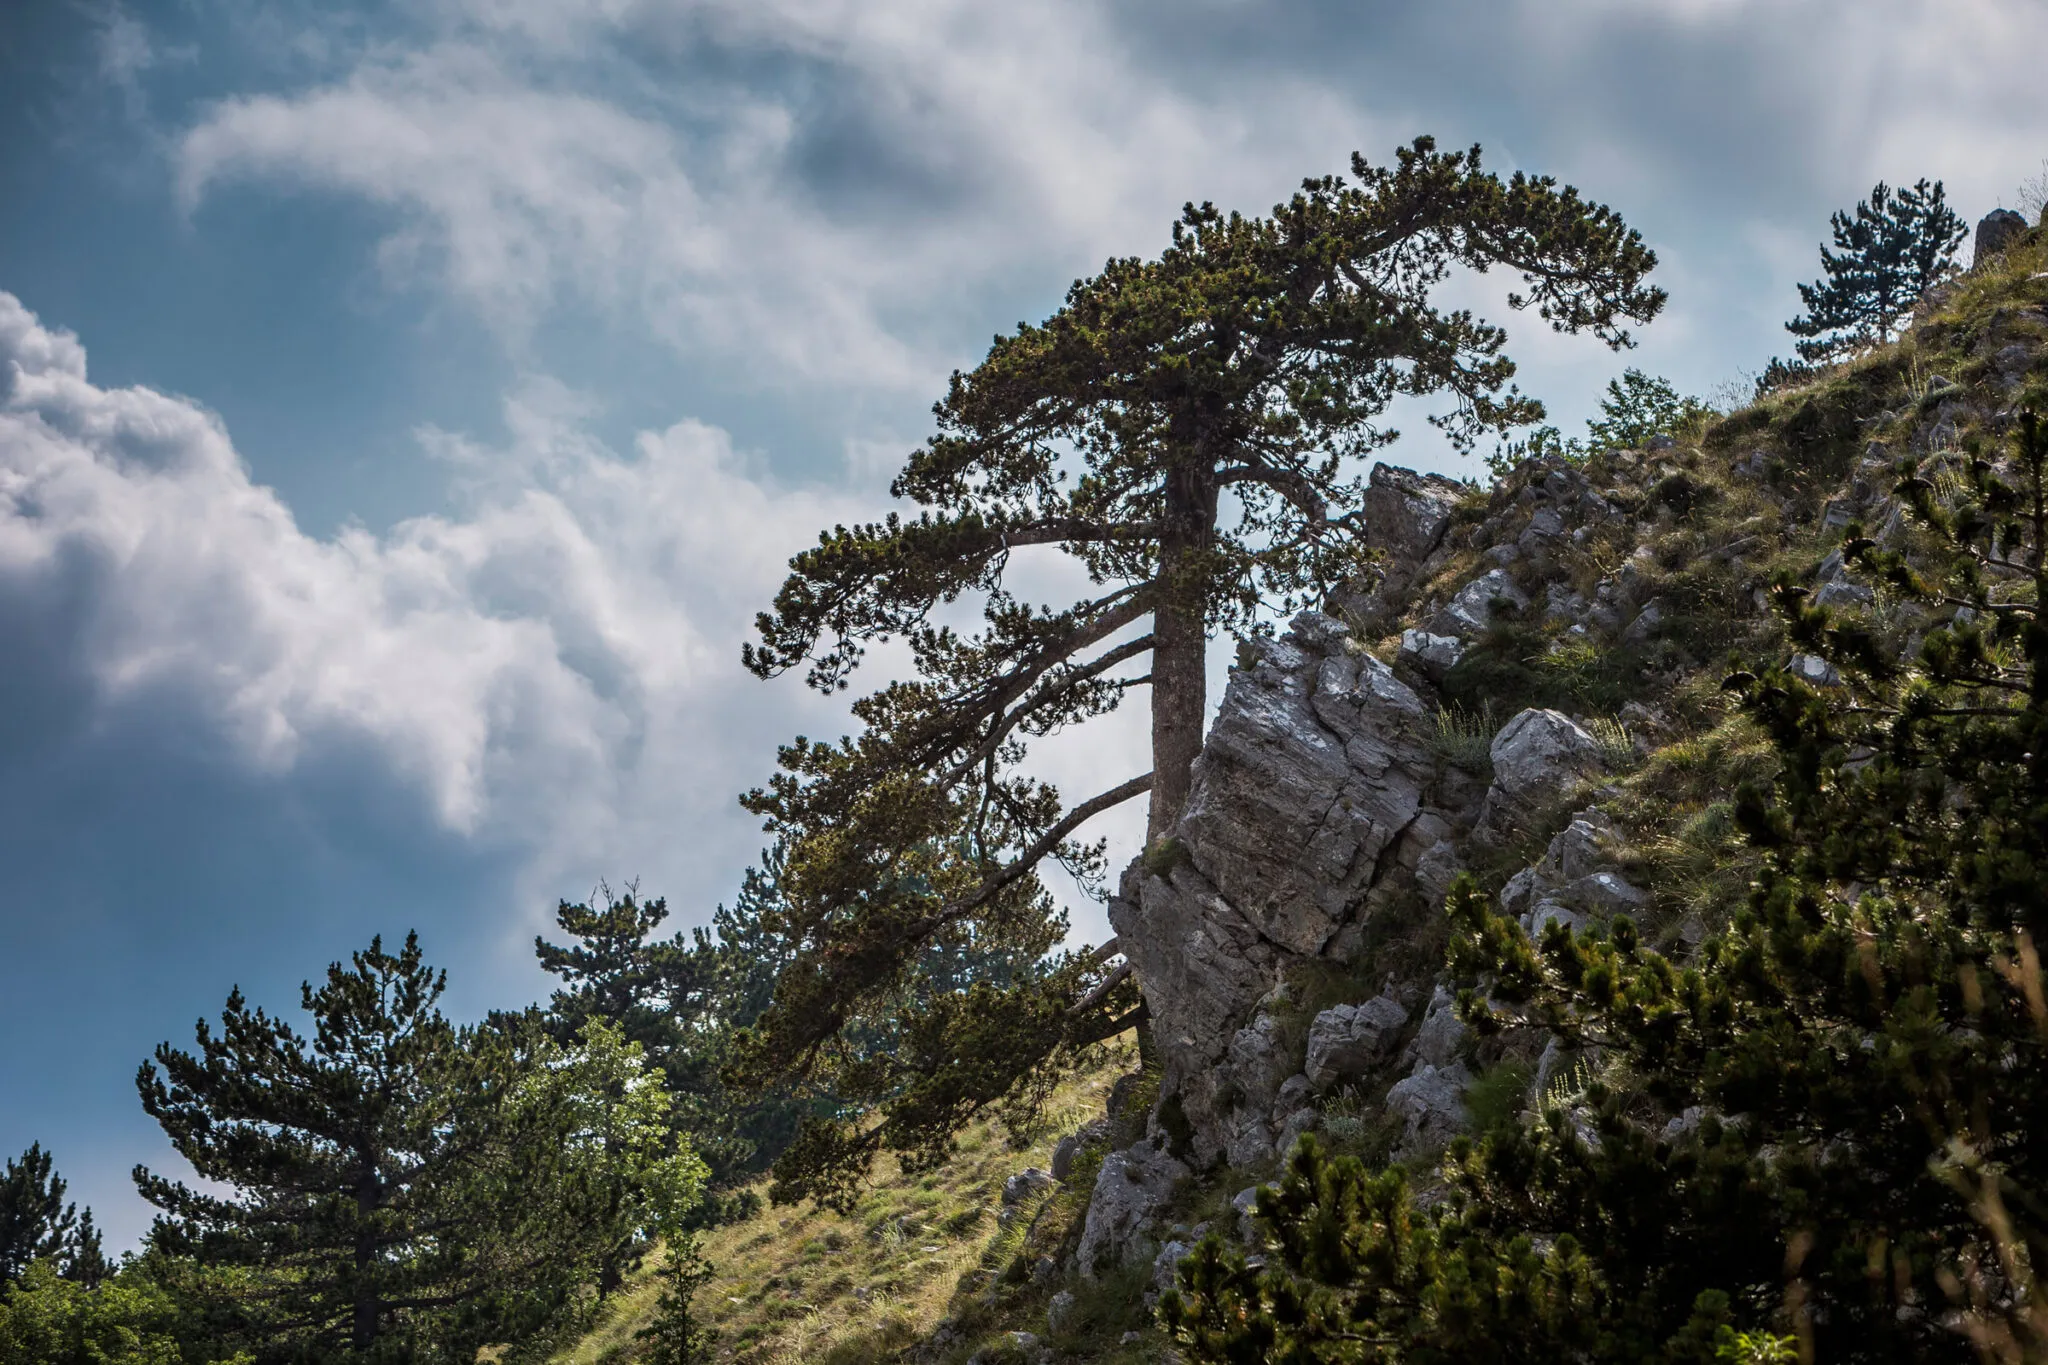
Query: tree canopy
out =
(398, 1187)
(1888, 250)
(37, 1224)
(1191, 433)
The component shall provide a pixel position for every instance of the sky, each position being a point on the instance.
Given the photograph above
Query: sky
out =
(404, 408)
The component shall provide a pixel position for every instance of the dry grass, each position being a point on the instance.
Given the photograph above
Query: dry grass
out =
(806, 1285)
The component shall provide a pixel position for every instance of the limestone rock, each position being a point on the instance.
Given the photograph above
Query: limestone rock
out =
(1305, 814)
(1406, 513)
(1305, 1120)
(1166, 1263)
(1349, 1040)
(1026, 1183)
(1995, 232)
(1431, 1104)
(1472, 610)
(1537, 757)
(1442, 1032)
(1070, 1147)
(1433, 655)
(1130, 1190)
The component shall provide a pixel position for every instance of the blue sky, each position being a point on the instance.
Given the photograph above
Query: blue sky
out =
(404, 408)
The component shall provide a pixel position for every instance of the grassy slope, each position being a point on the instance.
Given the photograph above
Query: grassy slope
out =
(803, 1284)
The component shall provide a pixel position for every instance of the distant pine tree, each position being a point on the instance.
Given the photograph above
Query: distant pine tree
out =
(35, 1222)
(398, 1188)
(1889, 249)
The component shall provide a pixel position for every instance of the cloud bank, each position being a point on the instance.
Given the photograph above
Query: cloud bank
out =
(554, 668)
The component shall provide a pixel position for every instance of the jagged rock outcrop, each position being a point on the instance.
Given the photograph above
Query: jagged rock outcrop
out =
(1538, 757)
(1314, 800)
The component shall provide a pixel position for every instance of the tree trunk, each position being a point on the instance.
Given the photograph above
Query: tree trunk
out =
(363, 1327)
(1180, 677)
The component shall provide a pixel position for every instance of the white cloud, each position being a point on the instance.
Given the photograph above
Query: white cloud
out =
(831, 216)
(555, 668)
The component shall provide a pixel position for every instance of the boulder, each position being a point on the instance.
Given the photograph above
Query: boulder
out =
(1442, 1032)
(1245, 1202)
(1301, 1121)
(1473, 608)
(1070, 1147)
(1166, 1263)
(1538, 756)
(1432, 655)
(1349, 1040)
(1130, 1190)
(1026, 1183)
(1431, 1105)
(1995, 232)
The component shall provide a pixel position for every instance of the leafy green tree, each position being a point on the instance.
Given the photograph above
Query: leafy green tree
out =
(1191, 432)
(1888, 251)
(36, 1223)
(400, 1188)
(1830, 1124)
(127, 1319)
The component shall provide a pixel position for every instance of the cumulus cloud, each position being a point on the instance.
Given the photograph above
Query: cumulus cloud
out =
(554, 667)
(822, 189)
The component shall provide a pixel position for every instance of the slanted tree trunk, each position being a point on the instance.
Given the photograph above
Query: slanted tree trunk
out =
(1180, 678)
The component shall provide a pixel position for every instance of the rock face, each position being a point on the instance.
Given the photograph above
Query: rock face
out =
(1406, 517)
(1313, 802)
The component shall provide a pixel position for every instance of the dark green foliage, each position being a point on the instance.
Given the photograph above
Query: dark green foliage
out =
(682, 999)
(36, 1223)
(398, 1188)
(1636, 407)
(1888, 251)
(1860, 1059)
(1783, 374)
(1193, 431)
(675, 1336)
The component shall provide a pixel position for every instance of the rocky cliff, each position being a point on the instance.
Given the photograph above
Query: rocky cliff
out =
(1525, 689)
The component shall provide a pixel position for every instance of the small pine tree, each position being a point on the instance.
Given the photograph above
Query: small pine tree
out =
(35, 1222)
(1889, 250)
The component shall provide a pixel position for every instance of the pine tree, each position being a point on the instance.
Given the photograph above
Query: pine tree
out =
(1191, 431)
(1889, 250)
(35, 1222)
(1857, 1067)
(401, 1188)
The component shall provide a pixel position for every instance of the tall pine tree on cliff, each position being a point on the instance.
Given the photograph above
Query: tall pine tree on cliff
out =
(1857, 1067)
(1191, 432)
(1889, 249)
